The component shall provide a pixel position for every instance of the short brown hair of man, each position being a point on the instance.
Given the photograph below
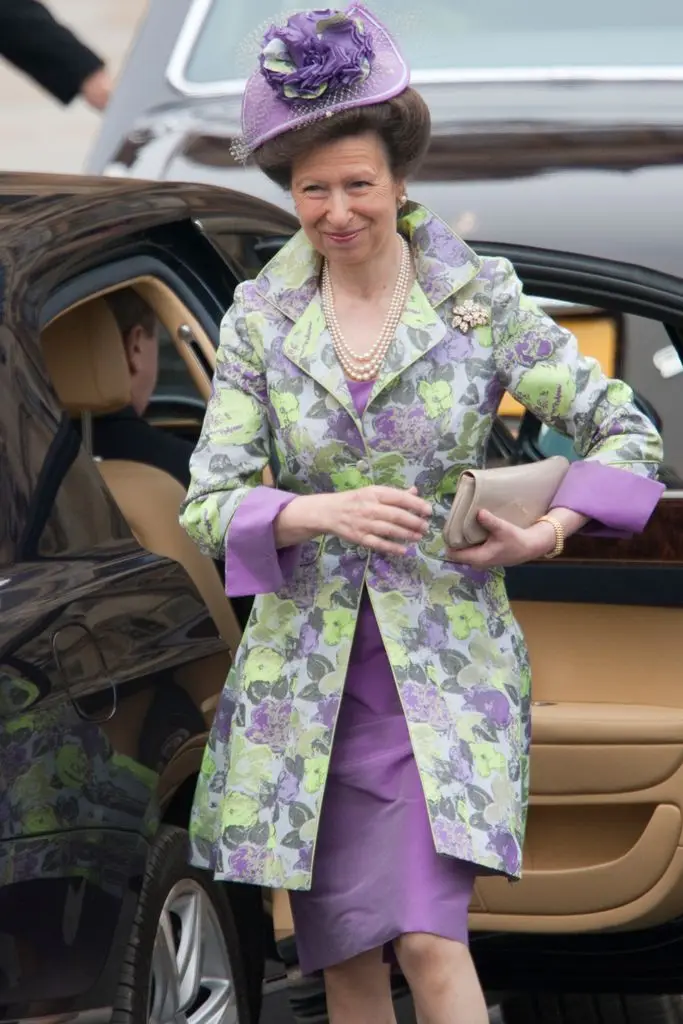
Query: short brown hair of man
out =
(130, 310)
(402, 123)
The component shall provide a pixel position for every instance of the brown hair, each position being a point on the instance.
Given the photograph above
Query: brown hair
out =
(130, 310)
(402, 123)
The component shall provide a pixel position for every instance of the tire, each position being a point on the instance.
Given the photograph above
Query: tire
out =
(246, 903)
(178, 904)
(616, 1009)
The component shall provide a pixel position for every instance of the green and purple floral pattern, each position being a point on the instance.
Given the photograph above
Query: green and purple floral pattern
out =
(457, 654)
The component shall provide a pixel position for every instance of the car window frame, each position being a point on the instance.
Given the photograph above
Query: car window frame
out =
(118, 272)
(198, 12)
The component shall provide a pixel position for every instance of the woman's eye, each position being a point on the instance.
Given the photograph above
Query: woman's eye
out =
(360, 184)
(312, 188)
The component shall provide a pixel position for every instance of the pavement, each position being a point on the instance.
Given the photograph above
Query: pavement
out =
(37, 132)
(276, 1011)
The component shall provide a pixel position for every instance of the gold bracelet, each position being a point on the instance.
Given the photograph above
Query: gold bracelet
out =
(559, 535)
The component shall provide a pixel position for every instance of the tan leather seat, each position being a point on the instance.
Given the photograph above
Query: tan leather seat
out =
(86, 362)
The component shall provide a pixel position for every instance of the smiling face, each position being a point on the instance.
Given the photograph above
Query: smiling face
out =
(346, 198)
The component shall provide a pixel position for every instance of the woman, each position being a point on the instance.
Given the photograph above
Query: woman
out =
(371, 355)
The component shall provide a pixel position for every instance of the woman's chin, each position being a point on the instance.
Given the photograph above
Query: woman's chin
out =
(348, 253)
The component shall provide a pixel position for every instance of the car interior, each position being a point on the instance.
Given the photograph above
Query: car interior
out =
(85, 359)
(604, 842)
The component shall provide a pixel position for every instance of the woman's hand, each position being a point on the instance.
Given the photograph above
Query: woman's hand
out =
(506, 544)
(385, 519)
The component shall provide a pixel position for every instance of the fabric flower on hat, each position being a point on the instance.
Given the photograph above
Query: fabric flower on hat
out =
(316, 52)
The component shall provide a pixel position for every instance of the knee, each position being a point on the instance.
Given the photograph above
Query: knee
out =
(422, 955)
(358, 991)
(365, 973)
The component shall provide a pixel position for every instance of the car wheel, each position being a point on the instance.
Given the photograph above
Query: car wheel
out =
(616, 1009)
(183, 960)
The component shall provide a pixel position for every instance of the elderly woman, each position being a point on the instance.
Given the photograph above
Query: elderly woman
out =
(370, 752)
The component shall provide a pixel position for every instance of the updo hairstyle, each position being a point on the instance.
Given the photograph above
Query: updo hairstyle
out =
(402, 123)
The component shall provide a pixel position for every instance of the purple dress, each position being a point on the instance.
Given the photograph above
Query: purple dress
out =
(376, 873)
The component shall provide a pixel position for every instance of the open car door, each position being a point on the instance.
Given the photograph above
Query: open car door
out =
(603, 625)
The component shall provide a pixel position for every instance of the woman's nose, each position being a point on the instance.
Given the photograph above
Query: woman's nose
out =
(337, 210)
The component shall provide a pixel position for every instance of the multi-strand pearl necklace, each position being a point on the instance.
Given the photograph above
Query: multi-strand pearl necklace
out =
(364, 366)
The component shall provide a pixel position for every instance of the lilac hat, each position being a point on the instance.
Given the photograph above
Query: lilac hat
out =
(315, 64)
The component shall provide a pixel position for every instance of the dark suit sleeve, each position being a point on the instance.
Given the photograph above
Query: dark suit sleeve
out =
(37, 44)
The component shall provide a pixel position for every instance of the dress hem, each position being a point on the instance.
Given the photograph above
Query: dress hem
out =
(387, 947)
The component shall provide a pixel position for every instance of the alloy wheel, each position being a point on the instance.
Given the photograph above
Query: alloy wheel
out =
(191, 979)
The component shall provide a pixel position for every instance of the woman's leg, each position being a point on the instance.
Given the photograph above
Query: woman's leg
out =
(359, 991)
(442, 979)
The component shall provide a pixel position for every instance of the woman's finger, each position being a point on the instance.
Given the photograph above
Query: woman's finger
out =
(479, 557)
(404, 499)
(385, 547)
(495, 526)
(399, 517)
(386, 528)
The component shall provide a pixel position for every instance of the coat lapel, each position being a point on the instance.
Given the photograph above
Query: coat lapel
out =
(309, 346)
(420, 329)
(443, 265)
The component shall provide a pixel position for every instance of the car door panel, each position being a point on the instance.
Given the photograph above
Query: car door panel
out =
(604, 846)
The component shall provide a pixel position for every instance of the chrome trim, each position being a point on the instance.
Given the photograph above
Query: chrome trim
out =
(187, 37)
(558, 73)
(560, 306)
(199, 10)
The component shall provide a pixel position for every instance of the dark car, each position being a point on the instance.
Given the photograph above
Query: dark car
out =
(555, 125)
(115, 638)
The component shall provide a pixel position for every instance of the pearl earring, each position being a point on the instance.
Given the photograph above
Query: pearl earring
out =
(403, 200)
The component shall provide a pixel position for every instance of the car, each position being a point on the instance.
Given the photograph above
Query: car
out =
(555, 126)
(116, 634)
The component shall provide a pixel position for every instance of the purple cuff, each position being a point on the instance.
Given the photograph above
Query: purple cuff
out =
(253, 565)
(618, 502)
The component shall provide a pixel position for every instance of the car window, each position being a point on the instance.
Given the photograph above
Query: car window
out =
(173, 381)
(214, 45)
(246, 253)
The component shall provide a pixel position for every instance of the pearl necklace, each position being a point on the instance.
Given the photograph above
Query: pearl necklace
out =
(364, 366)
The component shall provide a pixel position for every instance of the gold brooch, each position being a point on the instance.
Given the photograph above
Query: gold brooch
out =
(469, 315)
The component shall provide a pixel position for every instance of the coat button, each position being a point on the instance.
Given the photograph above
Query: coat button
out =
(362, 466)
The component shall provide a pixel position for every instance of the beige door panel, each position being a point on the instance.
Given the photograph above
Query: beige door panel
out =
(603, 748)
(662, 902)
(603, 847)
(578, 723)
(601, 770)
(612, 654)
(565, 877)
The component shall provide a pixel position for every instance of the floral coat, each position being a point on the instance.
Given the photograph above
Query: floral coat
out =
(457, 654)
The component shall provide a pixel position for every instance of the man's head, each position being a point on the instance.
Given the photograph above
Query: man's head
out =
(140, 332)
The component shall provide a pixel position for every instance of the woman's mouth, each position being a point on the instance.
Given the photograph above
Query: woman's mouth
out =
(343, 237)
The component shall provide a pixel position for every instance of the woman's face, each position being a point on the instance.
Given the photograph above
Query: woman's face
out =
(346, 198)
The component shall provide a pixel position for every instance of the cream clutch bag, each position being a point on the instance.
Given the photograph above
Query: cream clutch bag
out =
(518, 494)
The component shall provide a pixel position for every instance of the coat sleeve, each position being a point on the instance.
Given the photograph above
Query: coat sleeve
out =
(541, 366)
(44, 49)
(228, 512)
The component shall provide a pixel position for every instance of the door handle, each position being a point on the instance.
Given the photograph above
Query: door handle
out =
(71, 661)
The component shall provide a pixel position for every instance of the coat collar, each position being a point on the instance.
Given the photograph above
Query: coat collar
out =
(443, 264)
